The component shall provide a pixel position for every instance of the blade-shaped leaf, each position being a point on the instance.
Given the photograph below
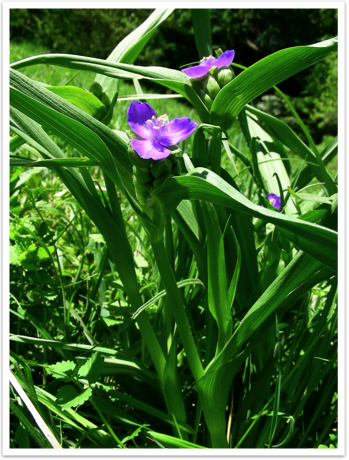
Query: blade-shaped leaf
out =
(172, 79)
(263, 75)
(202, 184)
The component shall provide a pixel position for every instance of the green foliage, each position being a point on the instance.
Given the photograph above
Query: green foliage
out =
(198, 316)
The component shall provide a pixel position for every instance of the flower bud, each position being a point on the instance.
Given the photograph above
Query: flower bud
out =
(105, 99)
(142, 191)
(161, 167)
(212, 87)
(143, 175)
(173, 158)
(206, 98)
(176, 169)
(224, 76)
(96, 89)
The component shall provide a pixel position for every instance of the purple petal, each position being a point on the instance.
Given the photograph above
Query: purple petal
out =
(137, 115)
(198, 71)
(225, 59)
(274, 200)
(177, 130)
(150, 148)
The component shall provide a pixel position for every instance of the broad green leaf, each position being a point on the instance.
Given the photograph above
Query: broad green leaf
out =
(15, 253)
(68, 397)
(83, 99)
(263, 75)
(92, 369)
(62, 370)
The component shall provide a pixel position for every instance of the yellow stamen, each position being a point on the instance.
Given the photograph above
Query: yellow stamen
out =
(272, 200)
(153, 117)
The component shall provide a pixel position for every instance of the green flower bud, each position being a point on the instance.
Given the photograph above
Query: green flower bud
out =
(143, 175)
(176, 169)
(206, 98)
(136, 160)
(161, 167)
(224, 76)
(107, 119)
(105, 99)
(142, 191)
(212, 87)
(173, 158)
(96, 89)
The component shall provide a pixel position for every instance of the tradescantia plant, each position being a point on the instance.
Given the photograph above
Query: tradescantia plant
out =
(245, 270)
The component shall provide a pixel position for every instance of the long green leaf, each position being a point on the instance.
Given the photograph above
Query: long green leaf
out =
(202, 31)
(170, 442)
(172, 79)
(262, 76)
(202, 184)
(218, 297)
(76, 134)
(127, 51)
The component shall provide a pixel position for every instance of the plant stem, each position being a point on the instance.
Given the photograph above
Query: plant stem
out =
(178, 309)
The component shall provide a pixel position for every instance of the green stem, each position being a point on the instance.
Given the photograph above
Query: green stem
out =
(109, 428)
(130, 282)
(178, 309)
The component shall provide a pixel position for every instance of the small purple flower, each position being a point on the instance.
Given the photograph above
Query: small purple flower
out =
(274, 200)
(206, 64)
(156, 133)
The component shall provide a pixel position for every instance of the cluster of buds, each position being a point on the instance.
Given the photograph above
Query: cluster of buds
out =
(101, 93)
(211, 75)
(150, 174)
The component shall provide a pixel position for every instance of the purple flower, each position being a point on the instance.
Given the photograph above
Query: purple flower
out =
(206, 64)
(156, 133)
(274, 200)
